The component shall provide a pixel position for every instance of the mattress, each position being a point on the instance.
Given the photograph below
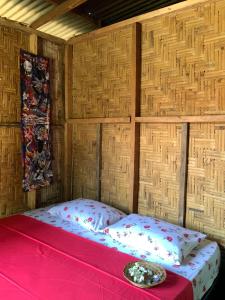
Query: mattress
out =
(201, 266)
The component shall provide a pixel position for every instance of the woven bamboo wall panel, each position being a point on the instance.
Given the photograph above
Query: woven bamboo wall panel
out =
(84, 161)
(11, 40)
(12, 198)
(206, 180)
(160, 147)
(101, 80)
(115, 176)
(183, 62)
(54, 192)
(56, 54)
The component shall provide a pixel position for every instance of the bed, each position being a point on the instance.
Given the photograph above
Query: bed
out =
(200, 267)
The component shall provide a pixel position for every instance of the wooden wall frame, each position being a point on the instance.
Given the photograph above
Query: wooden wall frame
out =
(183, 173)
(135, 112)
(98, 160)
(31, 196)
(68, 127)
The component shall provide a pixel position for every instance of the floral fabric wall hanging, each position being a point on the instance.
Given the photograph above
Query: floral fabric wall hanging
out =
(35, 120)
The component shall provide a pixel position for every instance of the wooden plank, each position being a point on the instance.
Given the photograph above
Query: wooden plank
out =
(31, 196)
(57, 11)
(134, 169)
(68, 129)
(79, 13)
(31, 199)
(183, 174)
(136, 71)
(33, 43)
(135, 110)
(68, 161)
(8, 125)
(182, 119)
(141, 18)
(58, 125)
(24, 28)
(98, 160)
(99, 120)
(68, 80)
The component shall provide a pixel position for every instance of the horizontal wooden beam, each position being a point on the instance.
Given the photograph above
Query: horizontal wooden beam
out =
(182, 119)
(167, 119)
(141, 18)
(99, 120)
(25, 28)
(57, 11)
(9, 125)
(18, 124)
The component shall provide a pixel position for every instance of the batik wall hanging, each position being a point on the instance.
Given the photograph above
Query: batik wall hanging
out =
(35, 120)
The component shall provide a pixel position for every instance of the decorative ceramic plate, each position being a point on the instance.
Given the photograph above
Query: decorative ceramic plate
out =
(144, 274)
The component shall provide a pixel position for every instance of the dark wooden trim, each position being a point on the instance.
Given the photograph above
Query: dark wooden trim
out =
(68, 60)
(68, 162)
(135, 152)
(183, 173)
(99, 120)
(10, 125)
(182, 119)
(68, 128)
(56, 12)
(31, 197)
(135, 111)
(98, 160)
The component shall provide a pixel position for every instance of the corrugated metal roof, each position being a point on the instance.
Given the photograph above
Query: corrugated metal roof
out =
(67, 26)
(27, 11)
(108, 12)
(81, 19)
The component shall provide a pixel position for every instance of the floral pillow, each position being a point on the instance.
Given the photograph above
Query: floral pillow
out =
(88, 213)
(164, 240)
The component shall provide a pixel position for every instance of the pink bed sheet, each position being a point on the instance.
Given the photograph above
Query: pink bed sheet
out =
(39, 261)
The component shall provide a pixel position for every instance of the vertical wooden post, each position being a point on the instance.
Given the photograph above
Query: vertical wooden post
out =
(98, 161)
(183, 174)
(68, 128)
(33, 43)
(31, 197)
(135, 112)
